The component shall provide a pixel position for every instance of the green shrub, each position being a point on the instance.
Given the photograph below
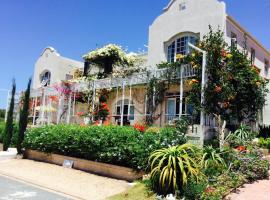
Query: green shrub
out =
(264, 143)
(193, 190)
(172, 167)
(252, 166)
(123, 146)
(241, 137)
(212, 161)
(14, 134)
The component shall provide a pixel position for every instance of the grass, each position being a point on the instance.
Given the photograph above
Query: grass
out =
(137, 192)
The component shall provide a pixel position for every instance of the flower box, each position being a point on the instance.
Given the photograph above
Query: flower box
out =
(103, 169)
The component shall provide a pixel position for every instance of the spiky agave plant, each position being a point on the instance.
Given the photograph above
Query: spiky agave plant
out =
(172, 167)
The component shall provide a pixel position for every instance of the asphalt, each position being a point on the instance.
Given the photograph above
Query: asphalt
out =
(14, 190)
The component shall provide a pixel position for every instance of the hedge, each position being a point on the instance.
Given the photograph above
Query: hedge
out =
(118, 145)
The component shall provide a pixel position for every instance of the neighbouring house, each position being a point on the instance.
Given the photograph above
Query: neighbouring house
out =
(181, 22)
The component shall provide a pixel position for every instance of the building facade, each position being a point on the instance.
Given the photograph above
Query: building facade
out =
(181, 22)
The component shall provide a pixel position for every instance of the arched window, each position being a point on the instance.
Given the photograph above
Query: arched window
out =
(45, 78)
(179, 46)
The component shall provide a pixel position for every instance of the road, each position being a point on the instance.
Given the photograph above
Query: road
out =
(14, 190)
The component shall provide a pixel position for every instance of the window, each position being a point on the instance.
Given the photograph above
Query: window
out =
(179, 46)
(129, 110)
(45, 78)
(252, 56)
(266, 67)
(171, 52)
(182, 6)
(233, 40)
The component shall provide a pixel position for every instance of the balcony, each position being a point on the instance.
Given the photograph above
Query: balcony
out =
(134, 79)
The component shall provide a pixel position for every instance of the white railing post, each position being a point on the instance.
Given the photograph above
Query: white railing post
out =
(34, 114)
(181, 92)
(203, 78)
(123, 104)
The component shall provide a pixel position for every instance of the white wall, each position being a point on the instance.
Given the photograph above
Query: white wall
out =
(197, 16)
(58, 66)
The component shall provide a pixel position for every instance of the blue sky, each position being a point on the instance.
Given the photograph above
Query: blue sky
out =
(73, 27)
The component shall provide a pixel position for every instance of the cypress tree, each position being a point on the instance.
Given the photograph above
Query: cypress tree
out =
(24, 112)
(9, 123)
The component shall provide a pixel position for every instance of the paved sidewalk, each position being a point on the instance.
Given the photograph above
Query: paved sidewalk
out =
(257, 191)
(15, 190)
(78, 184)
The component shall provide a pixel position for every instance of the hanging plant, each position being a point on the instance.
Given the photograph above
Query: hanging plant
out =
(113, 59)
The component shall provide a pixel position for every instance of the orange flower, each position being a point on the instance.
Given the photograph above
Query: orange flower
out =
(193, 81)
(226, 104)
(241, 148)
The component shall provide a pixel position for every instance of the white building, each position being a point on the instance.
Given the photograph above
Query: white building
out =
(184, 21)
(181, 21)
(52, 68)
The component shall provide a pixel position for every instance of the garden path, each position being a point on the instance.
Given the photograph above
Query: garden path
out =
(75, 183)
(259, 190)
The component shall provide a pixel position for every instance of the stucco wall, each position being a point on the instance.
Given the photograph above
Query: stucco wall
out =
(58, 66)
(261, 54)
(196, 18)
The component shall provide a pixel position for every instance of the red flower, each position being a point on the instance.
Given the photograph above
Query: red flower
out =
(80, 114)
(241, 148)
(139, 127)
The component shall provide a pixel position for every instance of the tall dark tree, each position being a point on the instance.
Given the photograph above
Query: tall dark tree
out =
(9, 123)
(24, 112)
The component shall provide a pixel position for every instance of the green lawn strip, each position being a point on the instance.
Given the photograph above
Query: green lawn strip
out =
(137, 192)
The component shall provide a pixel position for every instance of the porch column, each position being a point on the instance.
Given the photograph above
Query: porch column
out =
(93, 100)
(69, 108)
(43, 106)
(59, 108)
(34, 114)
(123, 103)
(181, 93)
(129, 101)
(74, 103)
(203, 84)
(49, 118)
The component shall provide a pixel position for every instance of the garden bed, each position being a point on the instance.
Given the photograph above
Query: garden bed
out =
(113, 171)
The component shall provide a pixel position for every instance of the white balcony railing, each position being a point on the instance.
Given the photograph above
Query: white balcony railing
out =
(134, 79)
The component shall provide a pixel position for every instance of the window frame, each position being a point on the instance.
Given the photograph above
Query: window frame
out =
(179, 45)
(266, 67)
(234, 41)
(252, 56)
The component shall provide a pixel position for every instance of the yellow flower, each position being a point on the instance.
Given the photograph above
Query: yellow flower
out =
(179, 56)
(258, 83)
(193, 81)
(193, 54)
(229, 55)
(195, 66)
